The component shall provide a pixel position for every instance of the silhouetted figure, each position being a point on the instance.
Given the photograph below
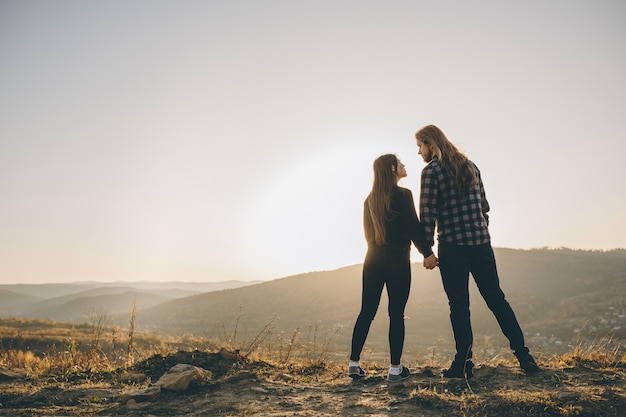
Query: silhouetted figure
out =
(390, 223)
(452, 197)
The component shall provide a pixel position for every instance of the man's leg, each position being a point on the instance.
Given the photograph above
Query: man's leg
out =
(454, 266)
(483, 268)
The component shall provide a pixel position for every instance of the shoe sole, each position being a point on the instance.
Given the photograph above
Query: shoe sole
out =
(465, 375)
(458, 377)
(398, 380)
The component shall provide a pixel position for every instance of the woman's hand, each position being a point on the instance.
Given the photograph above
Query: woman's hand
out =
(431, 262)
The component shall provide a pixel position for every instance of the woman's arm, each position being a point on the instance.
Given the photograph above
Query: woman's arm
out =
(414, 227)
(367, 224)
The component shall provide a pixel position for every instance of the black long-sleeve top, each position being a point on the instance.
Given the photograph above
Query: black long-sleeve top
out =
(403, 228)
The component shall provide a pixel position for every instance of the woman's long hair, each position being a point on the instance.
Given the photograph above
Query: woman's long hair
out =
(379, 199)
(452, 159)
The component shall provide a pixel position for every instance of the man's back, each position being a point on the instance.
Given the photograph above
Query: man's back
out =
(461, 219)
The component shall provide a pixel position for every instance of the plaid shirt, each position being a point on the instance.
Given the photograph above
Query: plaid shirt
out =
(461, 221)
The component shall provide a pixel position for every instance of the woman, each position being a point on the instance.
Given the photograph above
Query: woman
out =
(390, 223)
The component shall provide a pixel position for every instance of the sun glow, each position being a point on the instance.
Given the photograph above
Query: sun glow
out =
(310, 217)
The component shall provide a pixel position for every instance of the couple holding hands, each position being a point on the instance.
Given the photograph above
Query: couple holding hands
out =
(452, 197)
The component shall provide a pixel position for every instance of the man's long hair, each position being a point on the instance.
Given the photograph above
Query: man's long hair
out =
(452, 159)
(379, 199)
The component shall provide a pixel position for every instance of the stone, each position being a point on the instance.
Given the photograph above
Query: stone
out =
(180, 376)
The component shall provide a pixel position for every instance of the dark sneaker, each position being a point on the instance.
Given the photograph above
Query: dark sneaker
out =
(463, 370)
(356, 372)
(403, 375)
(528, 364)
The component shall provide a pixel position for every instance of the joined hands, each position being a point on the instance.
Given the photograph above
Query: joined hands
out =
(431, 262)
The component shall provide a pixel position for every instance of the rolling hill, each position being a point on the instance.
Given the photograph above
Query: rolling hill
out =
(76, 301)
(558, 295)
(11, 301)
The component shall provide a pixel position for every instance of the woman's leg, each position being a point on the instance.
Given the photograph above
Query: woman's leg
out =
(398, 287)
(373, 282)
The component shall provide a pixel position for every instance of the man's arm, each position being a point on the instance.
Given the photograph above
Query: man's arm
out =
(483, 198)
(428, 203)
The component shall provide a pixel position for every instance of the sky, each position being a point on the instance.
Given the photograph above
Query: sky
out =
(148, 140)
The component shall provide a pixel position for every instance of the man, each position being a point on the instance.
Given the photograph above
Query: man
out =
(452, 197)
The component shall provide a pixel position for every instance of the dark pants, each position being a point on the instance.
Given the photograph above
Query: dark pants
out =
(456, 262)
(391, 268)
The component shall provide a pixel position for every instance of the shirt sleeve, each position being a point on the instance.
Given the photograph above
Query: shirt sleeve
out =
(414, 227)
(367, 224)
(428, 203)
(484, 204)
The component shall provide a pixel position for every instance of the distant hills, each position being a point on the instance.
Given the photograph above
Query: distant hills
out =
(77, 301)
(559, 295)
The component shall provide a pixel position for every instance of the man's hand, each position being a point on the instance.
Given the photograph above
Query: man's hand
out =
(431, 262)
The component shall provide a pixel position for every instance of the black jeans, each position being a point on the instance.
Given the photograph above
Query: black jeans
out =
(388, 267)
(456, 262)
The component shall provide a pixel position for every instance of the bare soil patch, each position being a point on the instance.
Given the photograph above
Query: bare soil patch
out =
(241, 387)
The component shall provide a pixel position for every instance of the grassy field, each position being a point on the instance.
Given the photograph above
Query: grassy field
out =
(58, 369)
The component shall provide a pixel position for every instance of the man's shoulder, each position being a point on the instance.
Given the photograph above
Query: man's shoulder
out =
(433, 167)
(473, 165)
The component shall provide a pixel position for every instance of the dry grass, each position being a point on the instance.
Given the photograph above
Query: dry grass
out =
(603, 353)
(49, 348)
(43, 347)
(586, 381)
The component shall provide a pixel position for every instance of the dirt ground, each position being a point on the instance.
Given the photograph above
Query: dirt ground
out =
(240, 387)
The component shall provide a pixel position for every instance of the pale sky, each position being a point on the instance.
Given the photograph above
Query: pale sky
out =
(214, 140)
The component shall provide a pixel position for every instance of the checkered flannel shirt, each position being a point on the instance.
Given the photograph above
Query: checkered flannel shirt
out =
(460, 221)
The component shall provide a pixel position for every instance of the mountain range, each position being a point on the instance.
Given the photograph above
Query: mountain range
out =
(560, 296)
(77, 301)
